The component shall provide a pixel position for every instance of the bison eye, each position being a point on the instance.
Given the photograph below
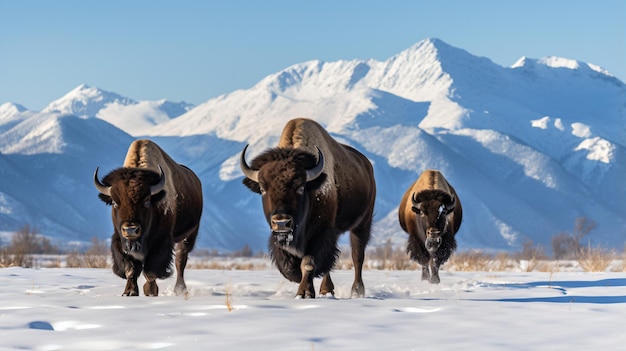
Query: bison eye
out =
(300, 190)
(416, 210)
(146, 204)
(263, 192)
(114, 204)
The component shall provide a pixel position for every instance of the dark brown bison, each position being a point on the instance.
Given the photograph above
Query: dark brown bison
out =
(313, 189)
(430, 212)
(156, 206)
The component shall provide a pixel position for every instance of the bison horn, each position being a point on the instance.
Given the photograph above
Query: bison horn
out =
(157, 188)
(247, 171)
(316, 171)
(103, 189)
(451, 204)
(414, 198)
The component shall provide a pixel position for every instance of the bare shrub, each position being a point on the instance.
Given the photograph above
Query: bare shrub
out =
(567, 246)
(532, 257)
(535, 265)
(94, 257)
(532, 251)
(384, 257)
(245, 251)
(97, 255)
(400, 261)
(74, 260)
(595, 259)
(25, 243)
(27, 240)
(229, 297)
(471, 260)
(503, 261)
(10, 259)
(376, 258)
(564, 246)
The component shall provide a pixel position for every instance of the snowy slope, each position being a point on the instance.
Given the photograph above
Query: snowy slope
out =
(529, 147)
(47, 162)
(11, 114)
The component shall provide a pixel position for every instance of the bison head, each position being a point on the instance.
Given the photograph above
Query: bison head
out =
(286, 179)
(431, 208)
(131, 192)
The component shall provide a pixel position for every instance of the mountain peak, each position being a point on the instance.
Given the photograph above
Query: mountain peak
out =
(432, 44)
(10, 108)
(555, 62)
(12, 114)
(85, 101)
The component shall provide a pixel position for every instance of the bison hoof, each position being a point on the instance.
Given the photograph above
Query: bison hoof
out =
(327, 293)
(181, 289)
(150, 289)
(434, 279)
(305, 296)
(358, 290)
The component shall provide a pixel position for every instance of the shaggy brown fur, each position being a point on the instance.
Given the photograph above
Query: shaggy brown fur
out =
(431, 213)
(147, 227)
(306, 218)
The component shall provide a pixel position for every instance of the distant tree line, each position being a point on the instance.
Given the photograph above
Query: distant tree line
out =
(27, 242)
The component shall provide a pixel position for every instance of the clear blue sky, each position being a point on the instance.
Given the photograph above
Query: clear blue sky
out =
(195, 50)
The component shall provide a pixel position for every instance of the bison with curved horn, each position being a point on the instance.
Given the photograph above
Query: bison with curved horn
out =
(430, 212)
(156, 208)
(313, 189)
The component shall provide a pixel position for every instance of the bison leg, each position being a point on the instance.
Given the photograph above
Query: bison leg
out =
(434, 271)
(358, 243)
(131, 288)
(441, 256)
(417, 251)
(150, 288)
(306, 288)
(327, 285)
(125, 266)
(425, 273)
(182, 254)
(132, 271)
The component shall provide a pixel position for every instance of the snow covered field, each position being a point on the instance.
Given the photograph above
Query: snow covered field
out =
(81, 309)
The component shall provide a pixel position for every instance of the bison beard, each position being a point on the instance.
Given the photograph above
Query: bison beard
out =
(133, 248)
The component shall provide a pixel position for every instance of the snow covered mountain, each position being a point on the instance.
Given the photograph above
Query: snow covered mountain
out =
(127, 114)
(529, 148)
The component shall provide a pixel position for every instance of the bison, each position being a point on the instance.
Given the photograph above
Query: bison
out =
(156, 207)
(430, 212)
(313, 189)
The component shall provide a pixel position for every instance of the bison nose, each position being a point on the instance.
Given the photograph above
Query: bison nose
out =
(432, 232)
(131, 231)
(281, 223)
